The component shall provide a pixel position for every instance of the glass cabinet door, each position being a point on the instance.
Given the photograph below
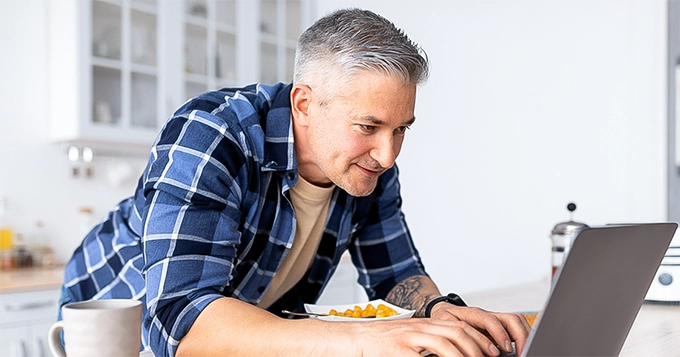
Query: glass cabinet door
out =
(143, 69)
(225, 42)
(210, 45)
(124, 63)
(280, 26)
(213, 29)
(106, 63)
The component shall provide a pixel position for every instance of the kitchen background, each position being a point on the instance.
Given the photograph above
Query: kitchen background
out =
(531, 104)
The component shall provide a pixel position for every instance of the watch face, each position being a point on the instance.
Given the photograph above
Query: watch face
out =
(451, 298)
(456, 300)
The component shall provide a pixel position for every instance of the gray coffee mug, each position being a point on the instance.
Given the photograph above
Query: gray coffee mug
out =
(105, 328)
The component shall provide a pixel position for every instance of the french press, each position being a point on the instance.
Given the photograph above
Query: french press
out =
(562, 237)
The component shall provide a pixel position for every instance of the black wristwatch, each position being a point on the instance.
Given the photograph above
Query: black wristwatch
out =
(450, 298)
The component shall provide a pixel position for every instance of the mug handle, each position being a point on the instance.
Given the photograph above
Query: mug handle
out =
(54, 339)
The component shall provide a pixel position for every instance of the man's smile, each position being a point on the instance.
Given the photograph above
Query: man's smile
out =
(371, 172)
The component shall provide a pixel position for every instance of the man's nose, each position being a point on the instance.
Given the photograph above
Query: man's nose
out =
(384, 151)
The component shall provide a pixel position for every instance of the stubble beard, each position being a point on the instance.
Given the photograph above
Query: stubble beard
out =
(357, 185)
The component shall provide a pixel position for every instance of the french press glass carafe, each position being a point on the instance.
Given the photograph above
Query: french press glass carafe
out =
(562, 237)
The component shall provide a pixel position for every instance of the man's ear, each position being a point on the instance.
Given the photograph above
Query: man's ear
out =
(300, 99)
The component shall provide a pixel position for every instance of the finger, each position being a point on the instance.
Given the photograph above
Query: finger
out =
(486, 322)
(519, 331)
(521, 318)
(436, 345)
(461, 345)
(470, 340)
(526, 323)
(410, 338)
(434, 353)
(484, 341)
(452, 338)
(491, 324)
(504, 328)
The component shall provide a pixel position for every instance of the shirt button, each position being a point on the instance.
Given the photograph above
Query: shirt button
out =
(290, 175)
(260, 289)
(281, 247)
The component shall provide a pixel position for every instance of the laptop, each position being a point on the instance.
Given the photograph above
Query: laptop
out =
(599, 290)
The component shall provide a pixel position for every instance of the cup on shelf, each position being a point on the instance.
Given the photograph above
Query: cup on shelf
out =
(102, 112)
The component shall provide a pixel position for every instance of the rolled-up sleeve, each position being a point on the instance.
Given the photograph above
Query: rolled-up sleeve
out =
(383, 250)
(190, 231)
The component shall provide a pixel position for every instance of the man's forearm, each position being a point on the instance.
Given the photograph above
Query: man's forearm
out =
(228, 327)
(414, 293)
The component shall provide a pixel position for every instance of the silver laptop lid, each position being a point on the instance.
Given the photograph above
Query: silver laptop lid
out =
(599, 290)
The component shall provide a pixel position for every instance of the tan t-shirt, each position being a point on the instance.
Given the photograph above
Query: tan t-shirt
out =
(311, 205)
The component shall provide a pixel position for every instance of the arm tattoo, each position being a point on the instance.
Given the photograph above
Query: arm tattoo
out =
(409, 295)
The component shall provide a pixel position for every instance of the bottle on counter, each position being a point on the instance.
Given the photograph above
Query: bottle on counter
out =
(85, 219)
(7, 255)
(39, 244)
(24, 256)
(6, 237)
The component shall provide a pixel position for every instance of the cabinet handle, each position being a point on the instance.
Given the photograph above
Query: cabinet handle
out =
(18, 349)
(39, 347)
(28, 305)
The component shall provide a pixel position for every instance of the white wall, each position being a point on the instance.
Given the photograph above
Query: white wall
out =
(531, 104)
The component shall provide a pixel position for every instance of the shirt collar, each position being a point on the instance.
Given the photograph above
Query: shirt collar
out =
(279, 153)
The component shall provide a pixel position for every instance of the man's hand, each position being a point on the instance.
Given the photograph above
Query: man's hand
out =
(444, 338)
(500, 327)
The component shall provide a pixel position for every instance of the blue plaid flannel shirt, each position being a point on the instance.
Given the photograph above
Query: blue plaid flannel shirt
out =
(211, 217)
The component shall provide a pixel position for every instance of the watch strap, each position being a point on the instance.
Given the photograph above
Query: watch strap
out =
(451, 298)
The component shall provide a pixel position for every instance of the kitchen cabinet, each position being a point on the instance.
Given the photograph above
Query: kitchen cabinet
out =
(119, 68)
(25, 319)
(104, 73)
(39, 332)
(13, 341)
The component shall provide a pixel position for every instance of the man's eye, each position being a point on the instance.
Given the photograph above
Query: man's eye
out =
(368, 128)
(402, 129)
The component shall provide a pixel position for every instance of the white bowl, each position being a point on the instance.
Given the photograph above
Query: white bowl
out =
(324, 309)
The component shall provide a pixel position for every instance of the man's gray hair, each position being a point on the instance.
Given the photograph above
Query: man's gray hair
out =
(349, 41)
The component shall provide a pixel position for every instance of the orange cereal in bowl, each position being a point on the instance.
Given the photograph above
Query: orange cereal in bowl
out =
(370, 311)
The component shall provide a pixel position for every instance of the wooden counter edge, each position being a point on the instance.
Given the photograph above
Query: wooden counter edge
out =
(30, 279)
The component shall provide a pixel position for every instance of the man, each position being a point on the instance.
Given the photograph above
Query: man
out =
(252, 195)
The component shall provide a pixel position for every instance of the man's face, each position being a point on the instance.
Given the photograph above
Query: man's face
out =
(356, 135)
